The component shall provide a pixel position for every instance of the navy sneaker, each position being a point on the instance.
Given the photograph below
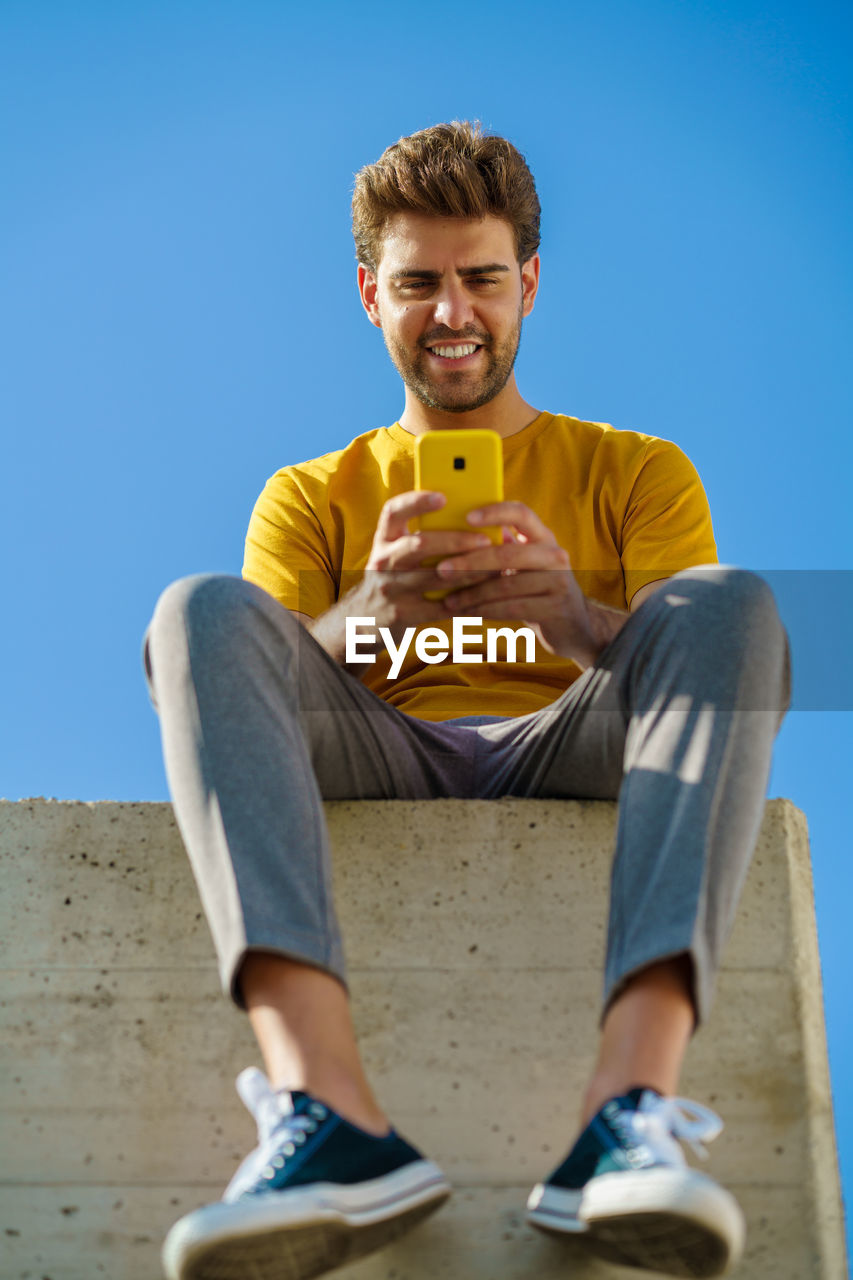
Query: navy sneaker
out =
(316, 1192)
(626, 1190)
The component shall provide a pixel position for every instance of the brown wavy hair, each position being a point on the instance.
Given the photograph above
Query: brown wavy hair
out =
(447, 171)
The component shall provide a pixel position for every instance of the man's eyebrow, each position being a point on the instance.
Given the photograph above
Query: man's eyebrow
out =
(423, 273)
(487, 270)
(411, 273)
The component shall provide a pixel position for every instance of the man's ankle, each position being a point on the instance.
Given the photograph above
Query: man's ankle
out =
(343, 1095)
(601, 1092)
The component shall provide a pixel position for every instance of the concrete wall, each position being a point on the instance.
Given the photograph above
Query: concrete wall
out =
(475, 934)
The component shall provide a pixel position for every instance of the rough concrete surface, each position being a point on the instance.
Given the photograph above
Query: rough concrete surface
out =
(475, 935)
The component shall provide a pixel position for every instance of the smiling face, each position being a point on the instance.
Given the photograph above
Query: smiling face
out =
(449, 297)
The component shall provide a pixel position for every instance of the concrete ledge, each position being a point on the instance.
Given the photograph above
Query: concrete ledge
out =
(475, 933)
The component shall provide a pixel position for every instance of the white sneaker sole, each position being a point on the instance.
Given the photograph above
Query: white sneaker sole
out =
(303, 1232)
(676, 1221)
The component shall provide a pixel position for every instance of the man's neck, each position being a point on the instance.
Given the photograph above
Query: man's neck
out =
(507, 414)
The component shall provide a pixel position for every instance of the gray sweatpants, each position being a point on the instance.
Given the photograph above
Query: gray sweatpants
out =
(677, 719)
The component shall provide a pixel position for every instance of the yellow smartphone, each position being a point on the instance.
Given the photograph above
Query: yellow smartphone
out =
(466, 465)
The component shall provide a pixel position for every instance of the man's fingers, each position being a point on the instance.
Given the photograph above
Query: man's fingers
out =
(398, 511)
(401, 596)
(516, 590)
(413, 550)
(514, 514)
(510, 556)
(403, 580)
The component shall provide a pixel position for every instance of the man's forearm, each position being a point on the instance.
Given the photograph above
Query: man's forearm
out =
(586, 633)
(329, 630)
(605, 624)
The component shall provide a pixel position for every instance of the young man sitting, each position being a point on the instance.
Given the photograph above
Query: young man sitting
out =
(659, 678)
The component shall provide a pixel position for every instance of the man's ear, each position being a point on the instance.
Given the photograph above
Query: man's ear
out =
(368, 291)
(529, 284)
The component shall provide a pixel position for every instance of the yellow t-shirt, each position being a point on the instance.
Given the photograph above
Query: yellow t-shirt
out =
(628, 508)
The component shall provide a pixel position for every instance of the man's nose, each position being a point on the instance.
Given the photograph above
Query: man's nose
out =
(453, 307)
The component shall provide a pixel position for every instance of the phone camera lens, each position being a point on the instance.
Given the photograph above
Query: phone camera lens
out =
(458, 464)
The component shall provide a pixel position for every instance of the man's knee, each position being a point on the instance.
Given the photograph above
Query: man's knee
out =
(198, 596)
(212, 615)
(734, 619)
(729, 596)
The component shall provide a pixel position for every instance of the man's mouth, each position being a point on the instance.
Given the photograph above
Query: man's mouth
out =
(454, 351)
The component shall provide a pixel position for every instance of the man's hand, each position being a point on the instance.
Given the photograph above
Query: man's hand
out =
(528, 578)
(395, 581)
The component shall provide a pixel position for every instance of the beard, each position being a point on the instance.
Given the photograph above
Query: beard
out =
(456, 392)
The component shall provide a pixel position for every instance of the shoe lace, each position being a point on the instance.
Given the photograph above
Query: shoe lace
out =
(281, 1132)
(659, 1122)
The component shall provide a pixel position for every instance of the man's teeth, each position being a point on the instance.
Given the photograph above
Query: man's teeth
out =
(455, 353)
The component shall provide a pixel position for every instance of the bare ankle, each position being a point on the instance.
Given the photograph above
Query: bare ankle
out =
(602, 1089)
(644, 1035)
(301, 1019)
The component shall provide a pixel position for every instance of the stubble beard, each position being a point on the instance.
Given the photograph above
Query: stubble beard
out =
(412, 368)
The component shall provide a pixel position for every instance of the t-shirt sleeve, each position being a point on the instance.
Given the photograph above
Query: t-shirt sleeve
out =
(287, 552)
(667, 525)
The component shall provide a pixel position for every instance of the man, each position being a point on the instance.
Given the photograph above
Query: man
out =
(654, 680)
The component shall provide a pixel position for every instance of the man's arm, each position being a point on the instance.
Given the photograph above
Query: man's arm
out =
(606, 622)
(528, 579)
(643, 593)
(393, 589)
(329, 630)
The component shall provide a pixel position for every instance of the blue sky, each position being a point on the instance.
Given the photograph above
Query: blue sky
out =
(179, 317)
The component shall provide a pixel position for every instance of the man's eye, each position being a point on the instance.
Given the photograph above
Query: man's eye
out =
(412, 285)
